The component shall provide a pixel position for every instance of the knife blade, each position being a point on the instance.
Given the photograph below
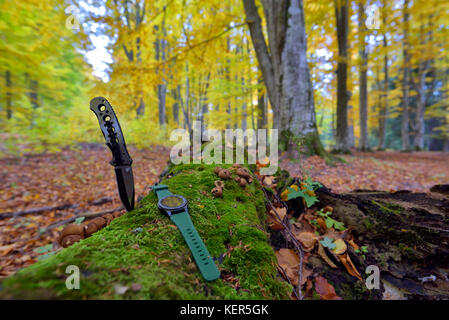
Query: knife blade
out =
(121, 160)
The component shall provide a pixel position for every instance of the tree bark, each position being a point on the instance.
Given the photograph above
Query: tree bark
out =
(8, 94)
(262, 107)
(285, 71)
(341, 13)
(405, 81)
(384, 105)
(363, 93)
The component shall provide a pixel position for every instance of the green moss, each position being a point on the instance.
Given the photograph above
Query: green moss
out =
(389, 207)
(157, 257)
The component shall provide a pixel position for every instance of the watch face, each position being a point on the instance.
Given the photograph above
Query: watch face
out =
(172, 202)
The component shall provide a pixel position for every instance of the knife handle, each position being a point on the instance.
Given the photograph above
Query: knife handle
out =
(112, 132)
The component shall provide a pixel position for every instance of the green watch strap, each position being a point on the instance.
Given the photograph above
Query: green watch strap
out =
(199, 251)
(161, 191)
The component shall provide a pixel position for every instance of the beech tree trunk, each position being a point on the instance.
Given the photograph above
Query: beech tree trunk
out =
(363, 86)
(285, 71)
(341, 13)
(384, 105)
(8, 95)
(405, 82)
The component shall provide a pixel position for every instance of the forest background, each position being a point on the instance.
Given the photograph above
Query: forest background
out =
(170, 62)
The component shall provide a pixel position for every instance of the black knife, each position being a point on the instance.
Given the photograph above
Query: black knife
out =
(121, 161)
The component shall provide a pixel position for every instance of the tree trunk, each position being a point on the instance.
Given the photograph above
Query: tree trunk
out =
(341, 13)
(285, 71)
(363, 93)
(384, 105)
(262, 108)
(405, 82)
(8, 94)
(175, 105)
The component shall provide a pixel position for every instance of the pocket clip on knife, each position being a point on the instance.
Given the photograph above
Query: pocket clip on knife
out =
(121, 161)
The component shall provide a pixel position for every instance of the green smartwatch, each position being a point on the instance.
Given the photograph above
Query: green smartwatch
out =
(175, 206)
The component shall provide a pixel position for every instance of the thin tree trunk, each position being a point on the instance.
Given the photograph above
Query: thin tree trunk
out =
(341, 13)
(383, 113)
(405, 82)
(363, 93)
(8, 95)
(261, 106)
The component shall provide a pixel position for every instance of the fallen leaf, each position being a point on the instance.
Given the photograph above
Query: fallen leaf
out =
(288, 260)
(325, 257)
(307, 239)
(340, 246)
(274, 224)
(325, 290)
(344, 258)
(281, 212)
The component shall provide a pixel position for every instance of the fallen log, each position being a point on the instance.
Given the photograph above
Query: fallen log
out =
(406, 236)
(144, 247)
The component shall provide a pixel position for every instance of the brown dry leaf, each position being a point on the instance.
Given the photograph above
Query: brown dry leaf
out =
(288, 260)
(307, 239)
(274, 224)
(325, 290)
(321, 223)
(353, 244)
(344, 258)
(4, 250)
(324, 256)
(281, 212)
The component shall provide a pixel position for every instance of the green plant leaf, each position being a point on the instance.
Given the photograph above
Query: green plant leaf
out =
(44, 249)
(79, 220)
(328, 243)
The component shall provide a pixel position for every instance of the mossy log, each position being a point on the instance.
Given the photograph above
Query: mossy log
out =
(143, 247)
(407, 236)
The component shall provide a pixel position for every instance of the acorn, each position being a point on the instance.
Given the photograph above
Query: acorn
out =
(109, 217)
(224, 174)
(99, 221)
(90, 228)
(242, 182)
(217, 192)
(69, 240)
(71, 230)
(243, 172)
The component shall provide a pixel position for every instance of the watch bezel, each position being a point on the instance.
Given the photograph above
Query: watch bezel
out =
(172, 209)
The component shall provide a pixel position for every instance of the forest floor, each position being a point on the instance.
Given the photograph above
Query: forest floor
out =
(84, 180)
